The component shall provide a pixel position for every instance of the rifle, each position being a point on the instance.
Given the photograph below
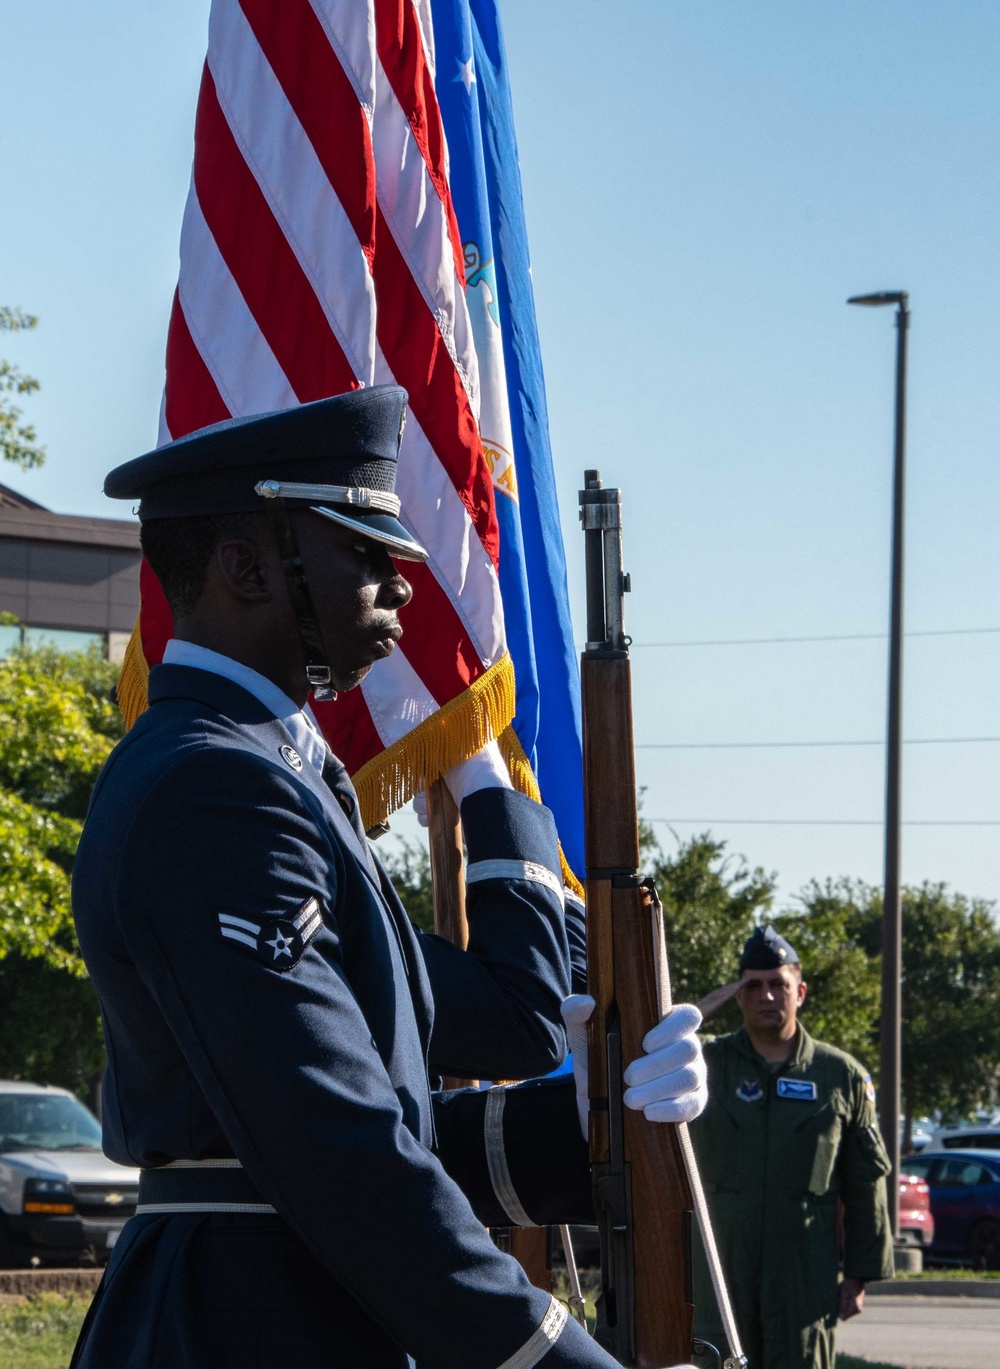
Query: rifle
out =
(645, 1180)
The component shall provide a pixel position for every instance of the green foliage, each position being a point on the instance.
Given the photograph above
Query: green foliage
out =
(409, 868)
(57, 726)
(18, 441)
(36, 855)
(950, 997)
(39, 1332)
(711, 904)
(842, 1004)
(950, 991)
(50, 1025)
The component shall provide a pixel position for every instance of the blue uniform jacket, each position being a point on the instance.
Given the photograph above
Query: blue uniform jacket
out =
(265, 996)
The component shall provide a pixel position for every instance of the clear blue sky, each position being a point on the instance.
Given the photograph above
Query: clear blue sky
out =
(705, 185)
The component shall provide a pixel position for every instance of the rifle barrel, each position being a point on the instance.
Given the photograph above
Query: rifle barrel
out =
(641, 1191)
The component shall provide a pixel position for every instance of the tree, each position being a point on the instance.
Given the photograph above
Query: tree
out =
(711, 904)
(950, 998)
(950, 992)
(842, 1004)
(17, 440)
(57, 726)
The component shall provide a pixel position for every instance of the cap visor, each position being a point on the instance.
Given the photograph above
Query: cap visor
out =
(380, 527)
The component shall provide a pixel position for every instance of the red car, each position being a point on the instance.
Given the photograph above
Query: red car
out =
(916, 1224)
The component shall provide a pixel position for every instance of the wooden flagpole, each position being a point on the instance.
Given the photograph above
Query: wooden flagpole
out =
(528, 1245)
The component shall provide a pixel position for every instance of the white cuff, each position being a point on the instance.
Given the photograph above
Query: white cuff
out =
(536, 1347)
(496, 1158)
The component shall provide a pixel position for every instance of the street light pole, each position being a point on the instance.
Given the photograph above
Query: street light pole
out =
(892, 912)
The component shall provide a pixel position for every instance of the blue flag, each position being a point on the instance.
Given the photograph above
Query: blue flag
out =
(474, 97)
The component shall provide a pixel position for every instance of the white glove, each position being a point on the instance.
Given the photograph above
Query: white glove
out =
(667, 1084)
(485, 770)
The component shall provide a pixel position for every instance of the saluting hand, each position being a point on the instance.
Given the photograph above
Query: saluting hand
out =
(667, 1084)
(717, 998)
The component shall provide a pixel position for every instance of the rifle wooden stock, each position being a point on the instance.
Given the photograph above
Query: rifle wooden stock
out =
(641, 1191)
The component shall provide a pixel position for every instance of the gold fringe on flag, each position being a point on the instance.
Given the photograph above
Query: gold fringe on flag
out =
(133, 682)
(480, 714)
(455, 732)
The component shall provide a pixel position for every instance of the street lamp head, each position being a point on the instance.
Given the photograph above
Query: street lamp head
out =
(881, 297)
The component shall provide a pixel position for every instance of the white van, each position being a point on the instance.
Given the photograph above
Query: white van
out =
(61, 1199)
(981, 1135)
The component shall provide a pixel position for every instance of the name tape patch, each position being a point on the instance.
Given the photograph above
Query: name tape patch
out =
(802, 1090)
(279, 942)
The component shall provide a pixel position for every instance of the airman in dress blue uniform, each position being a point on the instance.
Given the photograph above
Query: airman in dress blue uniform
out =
(274, 1024)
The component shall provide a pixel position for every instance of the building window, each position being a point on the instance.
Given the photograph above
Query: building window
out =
(63, 639)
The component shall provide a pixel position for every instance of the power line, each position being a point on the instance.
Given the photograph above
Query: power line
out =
(763, 746)
(827, 637)
(829, 822)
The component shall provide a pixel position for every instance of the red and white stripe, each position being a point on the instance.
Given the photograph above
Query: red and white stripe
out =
(320, 252)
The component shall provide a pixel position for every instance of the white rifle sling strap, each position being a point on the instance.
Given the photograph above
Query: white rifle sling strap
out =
(736, 1355)
(542, 1341)
(496, 1158)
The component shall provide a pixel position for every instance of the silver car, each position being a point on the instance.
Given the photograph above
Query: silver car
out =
(61, 1199)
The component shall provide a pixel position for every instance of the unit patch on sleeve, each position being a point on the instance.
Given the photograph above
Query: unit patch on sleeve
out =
(802, 1090)
(869, 1089)
(279, 941)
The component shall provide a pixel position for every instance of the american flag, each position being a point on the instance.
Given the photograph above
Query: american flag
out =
(320, 252)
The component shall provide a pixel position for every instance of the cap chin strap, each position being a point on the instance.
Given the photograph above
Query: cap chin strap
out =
(317, 670)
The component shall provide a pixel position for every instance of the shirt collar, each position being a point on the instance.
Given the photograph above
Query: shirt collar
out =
(300, 723)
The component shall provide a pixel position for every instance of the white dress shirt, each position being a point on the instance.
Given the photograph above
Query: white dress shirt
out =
(485, 770)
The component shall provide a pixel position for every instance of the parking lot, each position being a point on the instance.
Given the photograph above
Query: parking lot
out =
(925, 1332)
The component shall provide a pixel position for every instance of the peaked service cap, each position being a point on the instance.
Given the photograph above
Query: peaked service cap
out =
(335, 456)
(766, 950)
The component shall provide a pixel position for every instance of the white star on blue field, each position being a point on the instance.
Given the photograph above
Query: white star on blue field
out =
(281, 943)
(467, 75)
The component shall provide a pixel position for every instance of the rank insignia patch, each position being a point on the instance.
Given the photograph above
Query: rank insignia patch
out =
(291, 757)
(278, 942)
(802, 1090)
(750, 1091)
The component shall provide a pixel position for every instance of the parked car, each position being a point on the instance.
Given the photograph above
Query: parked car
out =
(982, 1135)
(61, 1199)
(965, 1203)
(921, 1135)
(916, 1221)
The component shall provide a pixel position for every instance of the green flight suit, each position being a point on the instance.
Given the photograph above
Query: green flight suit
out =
(777, 1146)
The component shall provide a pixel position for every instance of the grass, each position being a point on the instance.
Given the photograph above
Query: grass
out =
(958, 1275)
(39, 1332)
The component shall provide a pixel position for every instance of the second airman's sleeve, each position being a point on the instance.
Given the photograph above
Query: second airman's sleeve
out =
(863, 1165)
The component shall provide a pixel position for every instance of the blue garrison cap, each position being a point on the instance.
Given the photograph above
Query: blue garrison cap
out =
(335, 456)
(766, 950)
